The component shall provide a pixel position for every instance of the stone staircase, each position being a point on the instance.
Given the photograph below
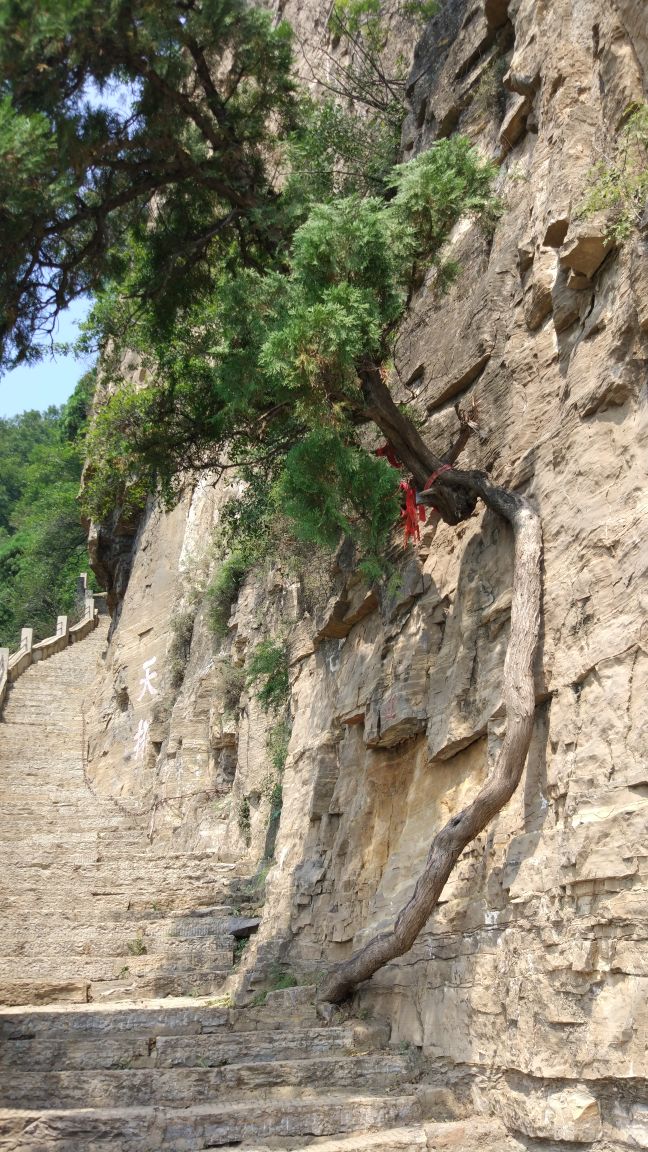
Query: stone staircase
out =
(113, 952)
(184, 1076)
(89, 910)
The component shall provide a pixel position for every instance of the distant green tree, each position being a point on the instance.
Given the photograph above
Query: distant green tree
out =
(42, 540)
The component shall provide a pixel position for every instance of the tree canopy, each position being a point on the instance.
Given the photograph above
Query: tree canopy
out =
(276, 369)
(253, 248)
(185, 167)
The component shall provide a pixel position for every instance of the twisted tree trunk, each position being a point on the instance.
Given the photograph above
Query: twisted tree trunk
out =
(452, 494)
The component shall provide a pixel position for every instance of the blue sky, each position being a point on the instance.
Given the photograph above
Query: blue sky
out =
(51, 381)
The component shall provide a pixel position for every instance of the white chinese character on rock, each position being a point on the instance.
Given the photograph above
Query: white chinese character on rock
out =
(141, 736)
(148, 678)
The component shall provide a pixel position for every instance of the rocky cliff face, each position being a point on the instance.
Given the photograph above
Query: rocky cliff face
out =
(528, 986)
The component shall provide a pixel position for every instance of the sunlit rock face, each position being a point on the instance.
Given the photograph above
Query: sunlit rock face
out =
(529, 985)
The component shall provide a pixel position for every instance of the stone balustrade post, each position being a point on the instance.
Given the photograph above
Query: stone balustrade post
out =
(61, 626)
(4, 663)
(26, 639)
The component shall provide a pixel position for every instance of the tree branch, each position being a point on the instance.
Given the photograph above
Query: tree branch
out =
(519, 699)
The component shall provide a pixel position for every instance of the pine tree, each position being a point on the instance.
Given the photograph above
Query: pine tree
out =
(183, 165)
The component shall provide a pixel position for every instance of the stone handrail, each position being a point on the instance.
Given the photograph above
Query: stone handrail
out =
(13, 665)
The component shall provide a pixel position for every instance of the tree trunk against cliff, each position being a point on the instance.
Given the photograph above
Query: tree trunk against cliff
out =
(454, 495)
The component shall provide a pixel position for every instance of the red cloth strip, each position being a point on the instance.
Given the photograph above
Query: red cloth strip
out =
(412, 513)
(389, 453)
(435, 476)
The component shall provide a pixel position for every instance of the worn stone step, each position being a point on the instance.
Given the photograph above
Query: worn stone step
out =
(287, 1008)
(60, 895)
(147, 1046)
(179, 1018)
(199, 1126)
(139, 937)
(132, 1087)
(180, 959)
(118, 914)
(473, 1134)
(129, 987)
(386, 1140)
(143, 870)
(194, 983)
(16, 822)
(19, 822)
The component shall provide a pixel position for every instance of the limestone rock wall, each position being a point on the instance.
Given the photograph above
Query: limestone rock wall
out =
(528, 988)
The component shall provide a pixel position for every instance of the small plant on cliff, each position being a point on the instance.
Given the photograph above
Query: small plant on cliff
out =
(223, 590)
(137, 947)
(267, 673)
(182, 627)
(231, 682)
(244, 819)
(619, 186)
(490, 94)
(277, 745)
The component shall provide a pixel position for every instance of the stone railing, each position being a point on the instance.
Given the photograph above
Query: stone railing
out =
(13, 665)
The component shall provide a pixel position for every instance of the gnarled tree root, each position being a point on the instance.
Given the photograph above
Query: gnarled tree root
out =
(519, 700)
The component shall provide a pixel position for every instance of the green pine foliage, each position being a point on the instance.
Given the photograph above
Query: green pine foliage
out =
(332, 153)
(77, 173)
(331, 488)
(441, 185)
(269, 364)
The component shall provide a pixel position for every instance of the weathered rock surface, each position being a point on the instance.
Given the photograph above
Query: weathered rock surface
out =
(527, 992)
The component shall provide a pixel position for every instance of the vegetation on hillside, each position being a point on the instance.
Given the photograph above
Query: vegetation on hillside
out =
(42, 540)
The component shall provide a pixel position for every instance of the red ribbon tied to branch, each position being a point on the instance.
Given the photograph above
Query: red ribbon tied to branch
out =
(412, 513)
(388, 453)
(435, 476)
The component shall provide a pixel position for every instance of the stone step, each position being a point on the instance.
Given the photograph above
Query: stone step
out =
(90, 968)
(179, 1018)
(147, 1046)
(120, 859)
(61, 894)
(139, 937)
(287, 1008)
(199, 1126)
(287, 1011)
(387, 1140)
(16, 821)
(151, 986)
(135, 1087)
(121, 873)
(19, 822)
(474, 1134)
